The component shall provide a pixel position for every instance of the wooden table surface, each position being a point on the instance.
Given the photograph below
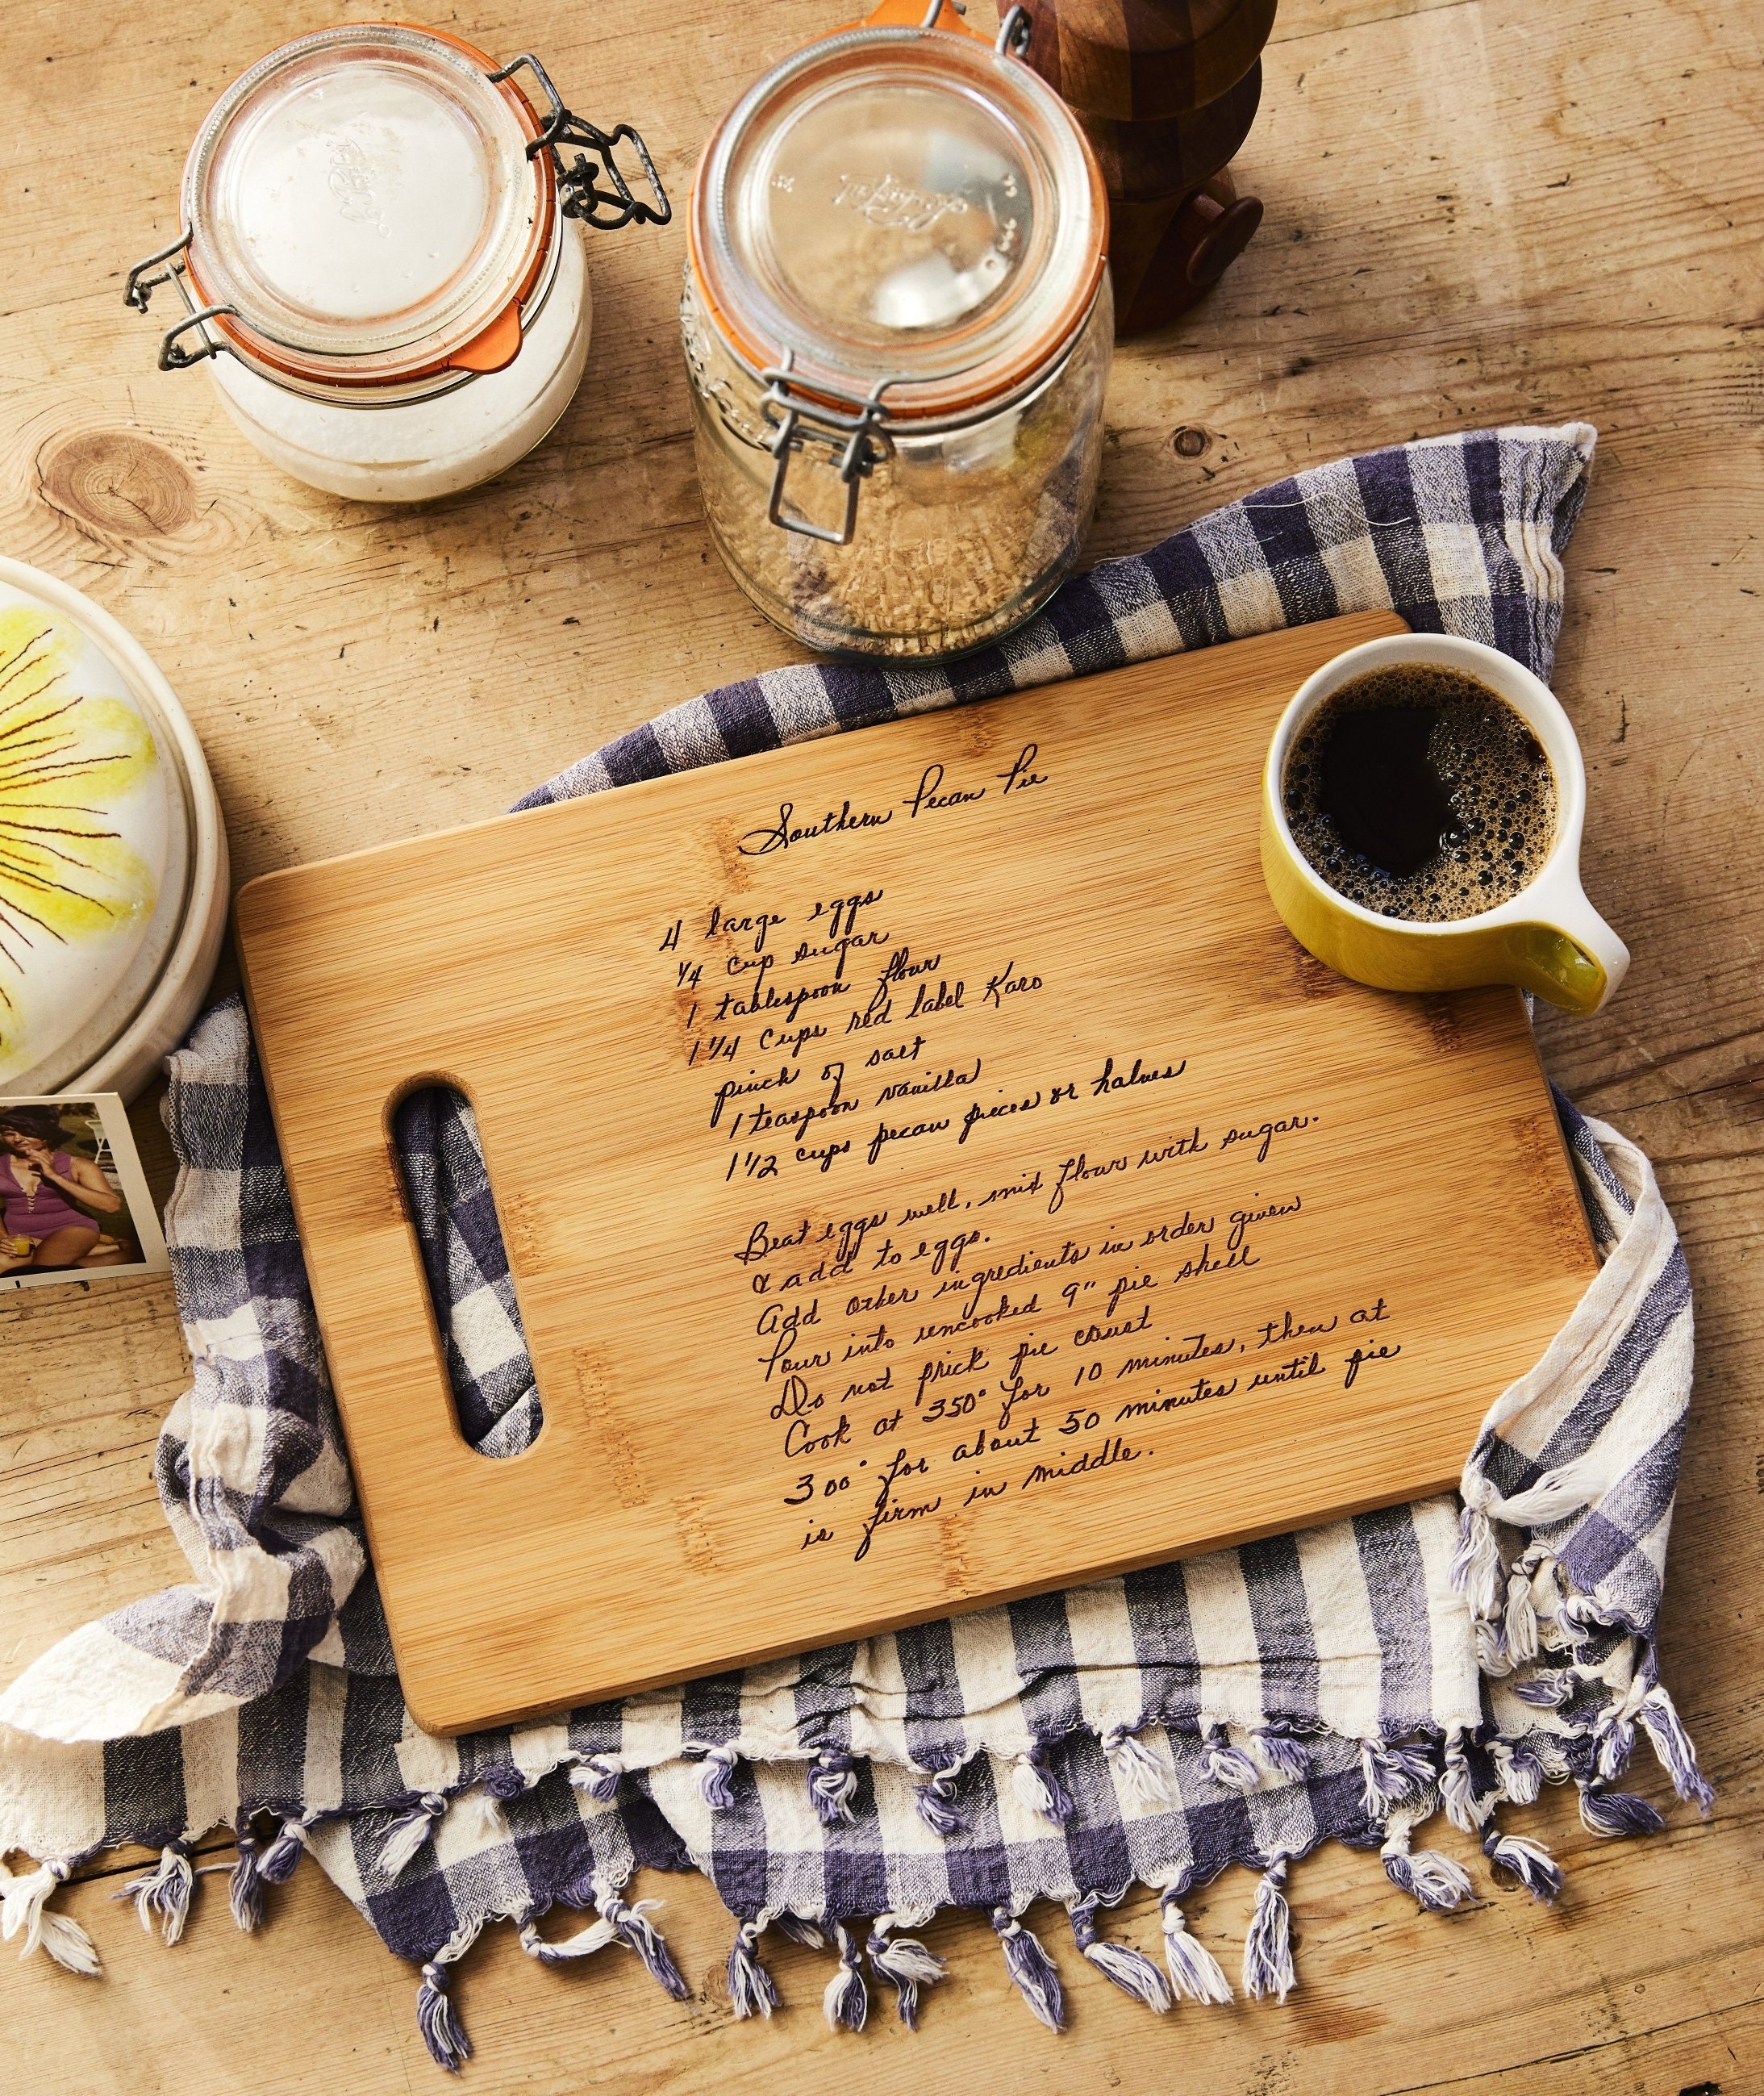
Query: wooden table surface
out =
(1478, 211)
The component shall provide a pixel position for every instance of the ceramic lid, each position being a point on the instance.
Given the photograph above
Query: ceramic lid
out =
(103, 848)
(364, 200)
(905, 203)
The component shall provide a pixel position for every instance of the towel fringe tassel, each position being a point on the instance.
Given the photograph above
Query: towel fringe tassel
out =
(630, 1923)
(937, 1805)
(1033, 1778)
(832, 1786)
(1391, 1775)
(845, 2000)
(1139, 1772)
(1283, 1752)
(1465, 1807)
(481, 1818)
(1673, 1749)
(1229, 1766)
(1268, 1968)
(1195, 1974)
(1519, 1771)
(716, 1777)
(163, 1895)
(407, 1834)
(1616, 1814)
(1615, 1742)
(1490, 1641)
(1035, 1973)
(1435, 1883)
(1551, 1690)
(752, 1990)
(1527, 1861)
(1130, 1970)
(1476, 1563)
(276, 1865)
(1520, 1621)
(245, 1885)
(25, 1909)
(906, 1964)
(599, 1776)
(438, 2020)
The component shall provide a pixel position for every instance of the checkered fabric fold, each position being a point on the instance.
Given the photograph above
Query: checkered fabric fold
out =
(1242, 1707)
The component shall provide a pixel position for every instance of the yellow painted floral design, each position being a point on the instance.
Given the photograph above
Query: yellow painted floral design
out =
(66, 874)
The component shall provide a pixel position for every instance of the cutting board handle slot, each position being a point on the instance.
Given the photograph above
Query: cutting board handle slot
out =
(431, 1124)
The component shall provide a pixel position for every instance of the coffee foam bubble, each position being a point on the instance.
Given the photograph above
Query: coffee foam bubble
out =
(1497, 778)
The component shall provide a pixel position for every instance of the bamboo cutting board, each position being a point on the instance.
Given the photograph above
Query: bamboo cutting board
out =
(930, 1174)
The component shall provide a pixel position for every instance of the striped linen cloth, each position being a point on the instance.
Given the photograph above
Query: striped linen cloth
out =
(1345, 1683)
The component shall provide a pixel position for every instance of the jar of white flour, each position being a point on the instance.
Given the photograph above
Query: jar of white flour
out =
(374, 262)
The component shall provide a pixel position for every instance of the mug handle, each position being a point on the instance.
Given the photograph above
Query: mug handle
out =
(1576, 962)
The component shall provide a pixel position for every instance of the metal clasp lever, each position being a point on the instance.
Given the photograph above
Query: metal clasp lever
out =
(1014, 32)
(858, 438)
(140, 288)
(580, 193)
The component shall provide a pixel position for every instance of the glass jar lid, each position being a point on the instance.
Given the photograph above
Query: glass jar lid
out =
(903, 206)
(364, 206)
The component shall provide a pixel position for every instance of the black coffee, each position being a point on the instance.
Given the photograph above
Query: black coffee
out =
(1419, 793)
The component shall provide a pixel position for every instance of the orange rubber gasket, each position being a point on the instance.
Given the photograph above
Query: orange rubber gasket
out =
(1048, 340)
(278, 358)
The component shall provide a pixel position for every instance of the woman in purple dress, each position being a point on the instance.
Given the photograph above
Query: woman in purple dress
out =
(49, 1198)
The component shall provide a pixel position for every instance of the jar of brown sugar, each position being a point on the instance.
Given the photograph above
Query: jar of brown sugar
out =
(899, 330)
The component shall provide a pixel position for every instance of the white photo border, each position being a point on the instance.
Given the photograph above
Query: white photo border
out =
(125, 1163)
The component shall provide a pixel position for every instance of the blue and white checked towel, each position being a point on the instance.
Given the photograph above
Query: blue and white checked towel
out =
(1345, 1683)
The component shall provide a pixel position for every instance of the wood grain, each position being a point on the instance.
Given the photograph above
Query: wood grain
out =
(1477, 211)
(1042, 1288)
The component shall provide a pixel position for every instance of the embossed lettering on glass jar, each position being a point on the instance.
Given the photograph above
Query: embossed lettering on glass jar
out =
(899, 330)
(374, 262)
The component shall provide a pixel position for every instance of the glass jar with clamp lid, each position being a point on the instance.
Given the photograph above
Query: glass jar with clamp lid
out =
(374, 260)
(898, 331)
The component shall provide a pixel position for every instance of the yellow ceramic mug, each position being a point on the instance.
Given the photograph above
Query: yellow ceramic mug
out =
(1548, 938)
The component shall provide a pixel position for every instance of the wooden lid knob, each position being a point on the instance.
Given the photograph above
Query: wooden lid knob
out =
(1167, 254)
(1217, 234)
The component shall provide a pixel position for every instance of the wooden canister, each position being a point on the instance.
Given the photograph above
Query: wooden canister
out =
(1171, 157)
(1166, 91)
(1133, 59)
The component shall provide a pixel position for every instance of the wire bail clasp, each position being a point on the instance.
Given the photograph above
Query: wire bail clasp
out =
(167, 267)
(579, 190)
(1014, 32)
(856, 433)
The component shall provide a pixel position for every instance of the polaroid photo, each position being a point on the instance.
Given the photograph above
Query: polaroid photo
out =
(74, 1204)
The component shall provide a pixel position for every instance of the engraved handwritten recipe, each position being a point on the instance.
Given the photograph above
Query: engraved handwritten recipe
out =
(929, 1331)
